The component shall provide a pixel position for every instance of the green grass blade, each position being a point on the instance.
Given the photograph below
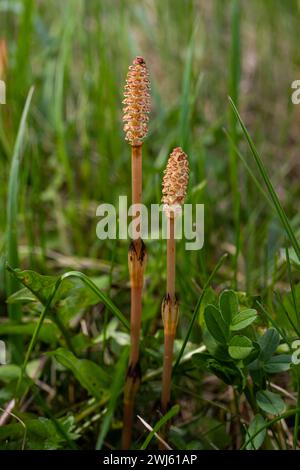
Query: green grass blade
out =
(234, 83)
(292, 285)
(171, 413)
(184, 127)
(116, 389)
(250, 172)
(278, 298)
(277, 204)
(12, 208)
(23, 48)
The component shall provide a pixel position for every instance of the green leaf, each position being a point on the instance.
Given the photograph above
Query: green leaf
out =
(278, 364)
(240, 347)
(268, 343)
(198, 308)
(9, 372)
(48, 333)
(22, 296)
(228, 372)
(93, 287)
(270, 402)
(215, 324)
(78, 298)
(243, 319)
(207, 298)
(39, 285)
(257, 373)
(34, 434)
(74, 295)
(94, 379)
(228, 305)
(258, 437)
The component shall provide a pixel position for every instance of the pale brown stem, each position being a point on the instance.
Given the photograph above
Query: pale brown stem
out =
(171, 253)
(135, 323)
(136, 273)
(136, 174)
(131, 387)
(167, 372)
(127, 424)
(136, 264)
(170, 318)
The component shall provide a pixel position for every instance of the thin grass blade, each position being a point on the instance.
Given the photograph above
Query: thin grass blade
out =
(196, 311)
(263, 172)
(116, 389)
(12, 208)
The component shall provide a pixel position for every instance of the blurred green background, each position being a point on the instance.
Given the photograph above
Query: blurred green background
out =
(73, 155)
(76, 54)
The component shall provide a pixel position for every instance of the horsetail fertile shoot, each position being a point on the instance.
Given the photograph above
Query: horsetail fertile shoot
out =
(174, 186)
(136, 110)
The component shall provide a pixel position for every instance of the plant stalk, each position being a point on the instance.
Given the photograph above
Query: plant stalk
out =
(136, 174)
(170, 319)
(171, 255)
(167, 371)
(136, 265)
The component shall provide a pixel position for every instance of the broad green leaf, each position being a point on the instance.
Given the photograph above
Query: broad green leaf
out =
(73, 295)
(240, 347)
(94, 379)
(112, 331)
(268, 344)
(253, 355)
(78, 298)
(228, 305)
(81, 342)
(243, 319)
(198, 308)
(48, 333)
(9, 372)
(228, 372)
(215, 324)
(257, 373)
(39, 285)
(256, 424)
(278, 364)
(216, 349)
(208, 298)
(22, 296)
(270, 402)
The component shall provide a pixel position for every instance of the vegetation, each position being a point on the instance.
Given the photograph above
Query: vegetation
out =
(65, 294)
